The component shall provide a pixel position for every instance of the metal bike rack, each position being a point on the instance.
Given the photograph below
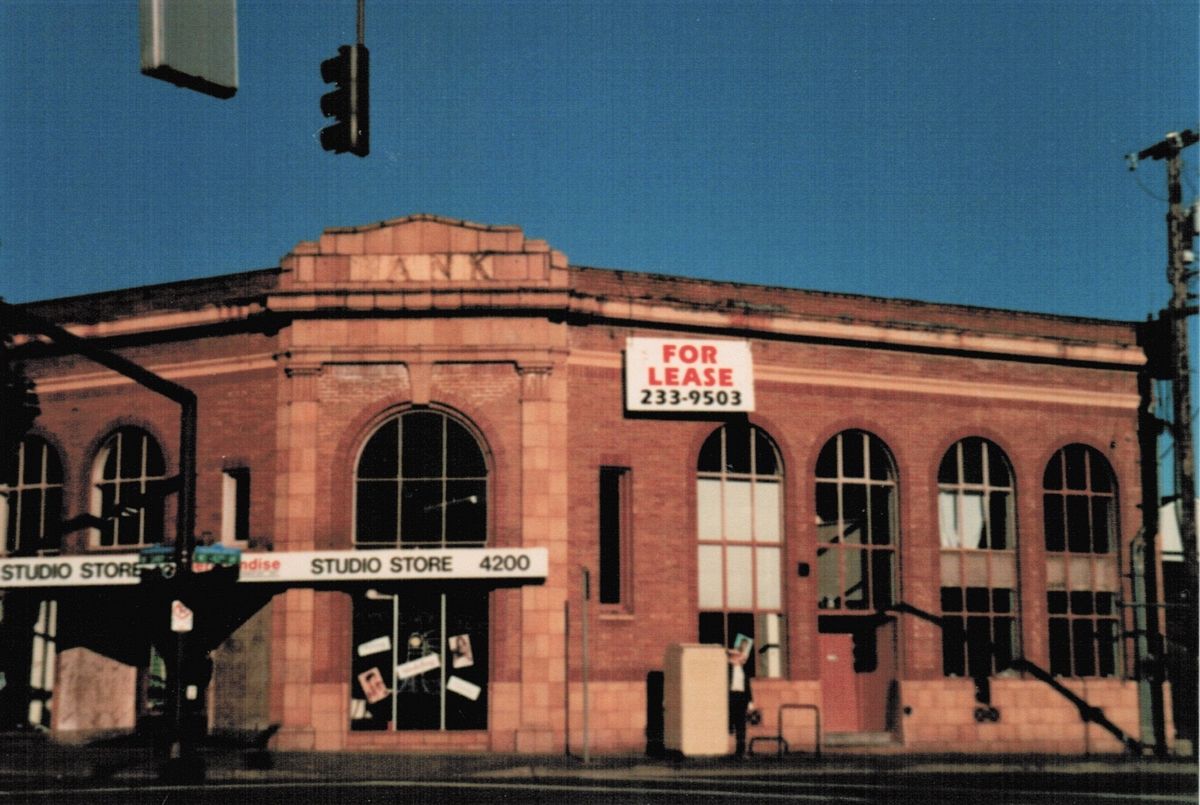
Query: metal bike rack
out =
(781, 744)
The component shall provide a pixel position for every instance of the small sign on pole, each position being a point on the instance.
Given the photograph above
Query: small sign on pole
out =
(182, 618)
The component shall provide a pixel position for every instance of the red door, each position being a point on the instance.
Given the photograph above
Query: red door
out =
(839, 685)
(856, 701)
(874, 687)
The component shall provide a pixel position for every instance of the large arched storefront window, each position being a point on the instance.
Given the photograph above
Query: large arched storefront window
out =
(739, 530)
(420, 482)
(1082, 573)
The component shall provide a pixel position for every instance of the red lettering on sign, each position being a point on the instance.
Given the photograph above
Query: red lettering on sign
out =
(689, 353)
(674, 376)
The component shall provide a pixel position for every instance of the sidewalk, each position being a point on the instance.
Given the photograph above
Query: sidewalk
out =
(32, 759)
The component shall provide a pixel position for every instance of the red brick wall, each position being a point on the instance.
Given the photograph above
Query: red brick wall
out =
(801, 417)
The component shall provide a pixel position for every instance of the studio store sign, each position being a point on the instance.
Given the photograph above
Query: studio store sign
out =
(687, 374)
(295, 568)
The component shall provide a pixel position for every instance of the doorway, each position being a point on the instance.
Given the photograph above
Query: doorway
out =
(857, 669)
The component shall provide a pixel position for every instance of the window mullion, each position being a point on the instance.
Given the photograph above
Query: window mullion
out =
(840, 546)
(399, 482)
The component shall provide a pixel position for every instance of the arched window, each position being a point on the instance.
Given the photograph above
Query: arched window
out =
(979, 561)
(421, 481)
(856, 523)
(420, 658)
(31, 497)
(739, 531)
(1082, 571)
(128, 493)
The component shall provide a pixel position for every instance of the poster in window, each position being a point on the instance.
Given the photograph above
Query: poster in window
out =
(376, 646)
(463, 688)
(373, 685)
(460, 650)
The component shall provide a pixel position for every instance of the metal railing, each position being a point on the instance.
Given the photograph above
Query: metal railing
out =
(781, 744)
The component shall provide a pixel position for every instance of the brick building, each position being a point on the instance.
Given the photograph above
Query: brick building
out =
(921, 513)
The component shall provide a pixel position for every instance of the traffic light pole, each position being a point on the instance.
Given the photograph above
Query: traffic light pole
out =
(185, 529)
(1180, 232)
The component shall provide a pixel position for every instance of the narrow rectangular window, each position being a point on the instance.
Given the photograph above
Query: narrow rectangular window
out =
(235, 505)
(614, 534)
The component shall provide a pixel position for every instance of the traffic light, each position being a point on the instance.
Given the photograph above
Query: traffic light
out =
(349, 104)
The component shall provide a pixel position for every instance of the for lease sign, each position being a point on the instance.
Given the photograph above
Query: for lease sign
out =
(688, 374)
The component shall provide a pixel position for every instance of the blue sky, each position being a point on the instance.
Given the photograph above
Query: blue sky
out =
(944, 150)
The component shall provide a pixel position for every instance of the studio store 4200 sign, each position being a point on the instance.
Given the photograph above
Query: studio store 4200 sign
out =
(685, 374)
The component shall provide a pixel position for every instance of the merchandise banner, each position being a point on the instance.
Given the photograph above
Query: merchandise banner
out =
(296, 567)
(688, 374)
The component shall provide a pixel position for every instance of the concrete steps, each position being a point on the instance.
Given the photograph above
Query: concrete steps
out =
(857, 739)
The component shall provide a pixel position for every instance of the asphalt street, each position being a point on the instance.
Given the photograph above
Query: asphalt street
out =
(110, 777)
(663, 791)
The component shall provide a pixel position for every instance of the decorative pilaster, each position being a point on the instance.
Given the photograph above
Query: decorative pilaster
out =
(544, 523)
(294, 627)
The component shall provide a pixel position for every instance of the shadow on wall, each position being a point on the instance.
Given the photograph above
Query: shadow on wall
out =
(1087, 713)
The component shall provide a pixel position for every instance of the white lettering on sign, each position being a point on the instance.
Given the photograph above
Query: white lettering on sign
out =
(300, 567)
(688, 375)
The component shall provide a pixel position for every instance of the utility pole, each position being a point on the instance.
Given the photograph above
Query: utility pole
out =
(1181, 229)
